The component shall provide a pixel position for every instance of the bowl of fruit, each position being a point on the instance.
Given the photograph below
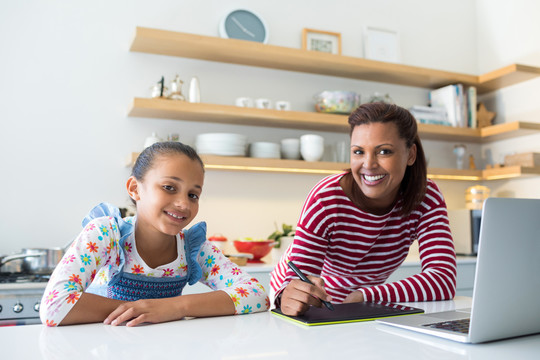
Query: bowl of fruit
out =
(258, 248)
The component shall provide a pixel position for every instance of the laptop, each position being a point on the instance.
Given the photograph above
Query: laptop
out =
(507, 280)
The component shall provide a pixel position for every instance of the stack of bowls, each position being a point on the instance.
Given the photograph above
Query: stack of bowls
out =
(221, 144)
(290, 149)
(312, 147)
(266, 150)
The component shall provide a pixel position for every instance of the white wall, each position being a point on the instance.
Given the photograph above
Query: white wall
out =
(67, 78)
(508, 32)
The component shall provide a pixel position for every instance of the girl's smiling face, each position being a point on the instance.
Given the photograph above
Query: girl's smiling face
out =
(168, 196)
(379, 158)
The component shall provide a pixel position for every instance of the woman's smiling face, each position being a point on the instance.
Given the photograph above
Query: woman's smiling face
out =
(379, 158)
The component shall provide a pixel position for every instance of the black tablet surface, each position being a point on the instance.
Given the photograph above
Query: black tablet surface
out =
(351, 312)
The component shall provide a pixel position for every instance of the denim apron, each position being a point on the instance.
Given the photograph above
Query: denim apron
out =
(131, 287)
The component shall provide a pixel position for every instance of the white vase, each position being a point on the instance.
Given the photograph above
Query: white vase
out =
(194, 94)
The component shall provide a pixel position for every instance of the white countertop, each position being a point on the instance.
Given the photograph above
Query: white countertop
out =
(255, 336)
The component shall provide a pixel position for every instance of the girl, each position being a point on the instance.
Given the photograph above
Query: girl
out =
(356, 227)
(133, 270)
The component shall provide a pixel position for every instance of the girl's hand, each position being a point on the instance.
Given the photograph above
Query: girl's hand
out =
(298, 296)
(355, 296)
(140, 311)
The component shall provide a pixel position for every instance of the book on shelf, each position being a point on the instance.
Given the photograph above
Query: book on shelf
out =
(471, 107)
(430, 115)
(459, 102)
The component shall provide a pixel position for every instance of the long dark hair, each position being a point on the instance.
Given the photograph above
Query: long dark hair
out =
(413, 185)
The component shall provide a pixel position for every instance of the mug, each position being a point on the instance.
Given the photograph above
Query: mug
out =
(311, 147)
(244, 102)
(283, 105)
(263, 103)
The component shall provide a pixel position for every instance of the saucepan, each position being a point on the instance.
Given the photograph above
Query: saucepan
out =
(14, 263)
(35, 260)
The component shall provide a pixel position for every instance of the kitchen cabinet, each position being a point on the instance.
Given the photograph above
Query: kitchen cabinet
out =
(163, 42)
(466, 267)
(260, 272)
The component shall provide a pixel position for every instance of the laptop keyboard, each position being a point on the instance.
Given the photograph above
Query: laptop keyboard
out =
(461, 326)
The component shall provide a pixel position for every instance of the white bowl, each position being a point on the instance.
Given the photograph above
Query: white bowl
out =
(290, 149)
(311, 139)
(311, 147)
(312, 154)
(264, 150)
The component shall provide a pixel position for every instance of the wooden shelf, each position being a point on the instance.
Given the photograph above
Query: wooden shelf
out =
(229, 163)
(250, 53)
(508, 130)
(240, 52)
(509, 172)
(227, 114)
(232, 163)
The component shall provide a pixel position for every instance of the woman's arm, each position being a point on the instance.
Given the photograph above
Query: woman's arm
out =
(308, 253)
(437, 280)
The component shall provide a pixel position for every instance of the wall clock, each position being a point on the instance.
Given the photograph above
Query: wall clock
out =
(244, 25)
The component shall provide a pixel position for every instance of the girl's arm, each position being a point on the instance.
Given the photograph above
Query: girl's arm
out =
(235, 293)
(95, 247)
(219, 273)
(90, 308)
(214, 303)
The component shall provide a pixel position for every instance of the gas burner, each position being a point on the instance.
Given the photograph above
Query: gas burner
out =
(7, 278)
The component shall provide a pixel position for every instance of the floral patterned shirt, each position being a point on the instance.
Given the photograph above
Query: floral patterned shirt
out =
(96, 256)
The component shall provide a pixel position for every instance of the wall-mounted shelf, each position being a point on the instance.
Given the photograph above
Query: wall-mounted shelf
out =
(250, 53)
(229, 163)
(227, 114)
(240, 52)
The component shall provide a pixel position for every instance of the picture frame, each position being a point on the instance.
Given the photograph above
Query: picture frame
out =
(322, 41)
(381, 45)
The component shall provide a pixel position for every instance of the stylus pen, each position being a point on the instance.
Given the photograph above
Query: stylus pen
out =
(303, 277)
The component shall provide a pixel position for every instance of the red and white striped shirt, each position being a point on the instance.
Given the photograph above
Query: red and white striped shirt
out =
(354, 250)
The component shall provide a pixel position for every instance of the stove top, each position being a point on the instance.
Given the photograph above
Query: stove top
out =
(20, 296)
(8, 278)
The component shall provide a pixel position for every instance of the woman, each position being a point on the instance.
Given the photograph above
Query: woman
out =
(356, 228)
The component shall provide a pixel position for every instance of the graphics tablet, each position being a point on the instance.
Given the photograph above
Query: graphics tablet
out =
(351, 312)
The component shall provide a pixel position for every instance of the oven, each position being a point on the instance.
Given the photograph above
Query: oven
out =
(20, 296)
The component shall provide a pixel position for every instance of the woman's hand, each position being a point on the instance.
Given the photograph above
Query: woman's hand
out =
(140, 311)
(298, 296)
(355, 296)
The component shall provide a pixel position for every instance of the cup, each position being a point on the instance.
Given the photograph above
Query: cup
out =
(263, 103)
(244, 102)
(342, 152)
(283, 105)
(311, 147)
(290, 149)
